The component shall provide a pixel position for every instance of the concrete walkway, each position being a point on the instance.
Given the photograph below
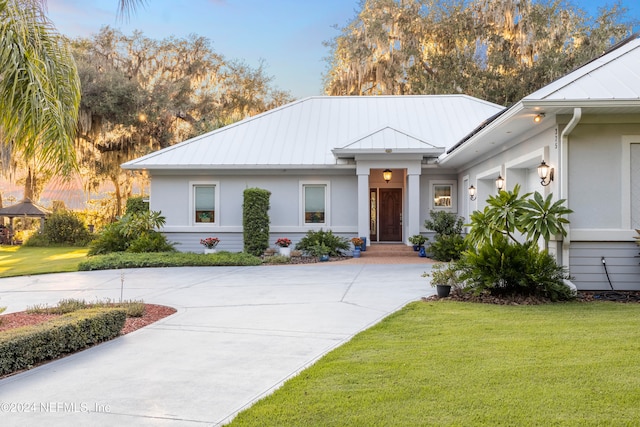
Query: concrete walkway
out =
(239, 333)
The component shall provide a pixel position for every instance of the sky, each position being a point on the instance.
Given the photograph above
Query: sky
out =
(286, 34)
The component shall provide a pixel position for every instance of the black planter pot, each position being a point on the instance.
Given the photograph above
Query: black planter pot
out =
(443, 290)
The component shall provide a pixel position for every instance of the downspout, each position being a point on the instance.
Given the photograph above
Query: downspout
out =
(564, 173)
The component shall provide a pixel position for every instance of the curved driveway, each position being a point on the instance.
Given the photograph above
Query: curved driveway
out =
(239, 333)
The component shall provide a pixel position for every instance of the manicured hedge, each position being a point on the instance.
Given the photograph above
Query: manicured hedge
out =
(166, 259)
(22, 348)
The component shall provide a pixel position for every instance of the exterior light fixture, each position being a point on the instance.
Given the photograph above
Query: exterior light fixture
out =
(472, 192)
(386, 175)
(545, 172)
(538, 118)
(500, 182)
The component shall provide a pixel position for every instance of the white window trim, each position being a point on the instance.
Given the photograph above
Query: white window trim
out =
(454, 195)
(625, 183)
(192, 206)
(327, 203)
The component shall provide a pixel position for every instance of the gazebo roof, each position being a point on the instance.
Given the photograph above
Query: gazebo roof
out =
(24, 208)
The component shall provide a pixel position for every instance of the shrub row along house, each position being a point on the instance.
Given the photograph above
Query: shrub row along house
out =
(376, 166)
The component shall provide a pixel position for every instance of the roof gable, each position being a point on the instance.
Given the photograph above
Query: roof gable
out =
(614, 75)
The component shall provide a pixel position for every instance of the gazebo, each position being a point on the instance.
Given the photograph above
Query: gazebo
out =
(24, 209)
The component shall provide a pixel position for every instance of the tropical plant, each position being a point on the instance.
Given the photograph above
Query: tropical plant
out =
(509, 212)
(134, 232)
(315, 241)
(505, 268)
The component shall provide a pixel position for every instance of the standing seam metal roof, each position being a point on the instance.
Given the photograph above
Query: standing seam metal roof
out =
(305, 132)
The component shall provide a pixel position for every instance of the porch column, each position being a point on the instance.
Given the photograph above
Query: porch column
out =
(413, 205)
(363, 204)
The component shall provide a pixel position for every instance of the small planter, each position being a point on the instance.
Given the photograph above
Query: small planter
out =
(443, 290)
(209, 251)
(324, 258)
(422, 252)
(285, 251)
(416, 248)
(356, 252)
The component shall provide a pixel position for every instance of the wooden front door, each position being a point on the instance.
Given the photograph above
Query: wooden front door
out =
(390, 214)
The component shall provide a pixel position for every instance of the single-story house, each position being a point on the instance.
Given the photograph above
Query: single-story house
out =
(324, 160)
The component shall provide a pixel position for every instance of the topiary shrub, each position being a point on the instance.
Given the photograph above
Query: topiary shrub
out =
(65, 227)
(255, 220)
(323, 243)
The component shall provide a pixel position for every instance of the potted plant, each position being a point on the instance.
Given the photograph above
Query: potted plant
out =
(321, 251)
(210, 244)
(205, 217)
(443, 278)
(283, 243)
(417, 241)
(357, 246)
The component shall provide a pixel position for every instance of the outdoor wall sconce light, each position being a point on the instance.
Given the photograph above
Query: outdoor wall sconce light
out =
(538, 118)
(386, 175)
(545, 172)
(472, 192)
(500, 182)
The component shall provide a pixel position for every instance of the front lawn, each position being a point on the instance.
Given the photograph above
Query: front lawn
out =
(23, 260)
(465, 364)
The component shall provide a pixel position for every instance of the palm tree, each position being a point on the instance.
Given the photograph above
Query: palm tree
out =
(39, 85)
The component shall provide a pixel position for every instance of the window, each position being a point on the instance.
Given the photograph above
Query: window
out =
(204, 197)
(314, 203)
(442, 195)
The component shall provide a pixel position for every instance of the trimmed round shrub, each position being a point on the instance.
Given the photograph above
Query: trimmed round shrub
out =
(64, 227)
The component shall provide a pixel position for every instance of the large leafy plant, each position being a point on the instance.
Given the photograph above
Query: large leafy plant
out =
(503, 256)
(510, 213)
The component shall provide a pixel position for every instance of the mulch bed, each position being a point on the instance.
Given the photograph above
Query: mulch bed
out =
(152, 313)
(583, 296)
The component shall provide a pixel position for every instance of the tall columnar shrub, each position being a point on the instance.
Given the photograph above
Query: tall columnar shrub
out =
(255, 220)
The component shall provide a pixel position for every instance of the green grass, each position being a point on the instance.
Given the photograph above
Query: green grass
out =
(464, 364)
(24, 261)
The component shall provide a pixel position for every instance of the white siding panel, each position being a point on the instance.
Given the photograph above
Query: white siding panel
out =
(622, 262)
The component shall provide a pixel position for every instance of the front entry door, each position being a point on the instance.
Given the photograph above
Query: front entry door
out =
(390, 214)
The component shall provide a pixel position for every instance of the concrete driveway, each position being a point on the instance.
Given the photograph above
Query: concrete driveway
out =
(239, 333)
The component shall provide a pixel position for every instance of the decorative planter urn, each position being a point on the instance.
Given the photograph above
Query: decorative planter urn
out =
(443, 290)
(209, 251)
(356, 252)
(285, 251)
